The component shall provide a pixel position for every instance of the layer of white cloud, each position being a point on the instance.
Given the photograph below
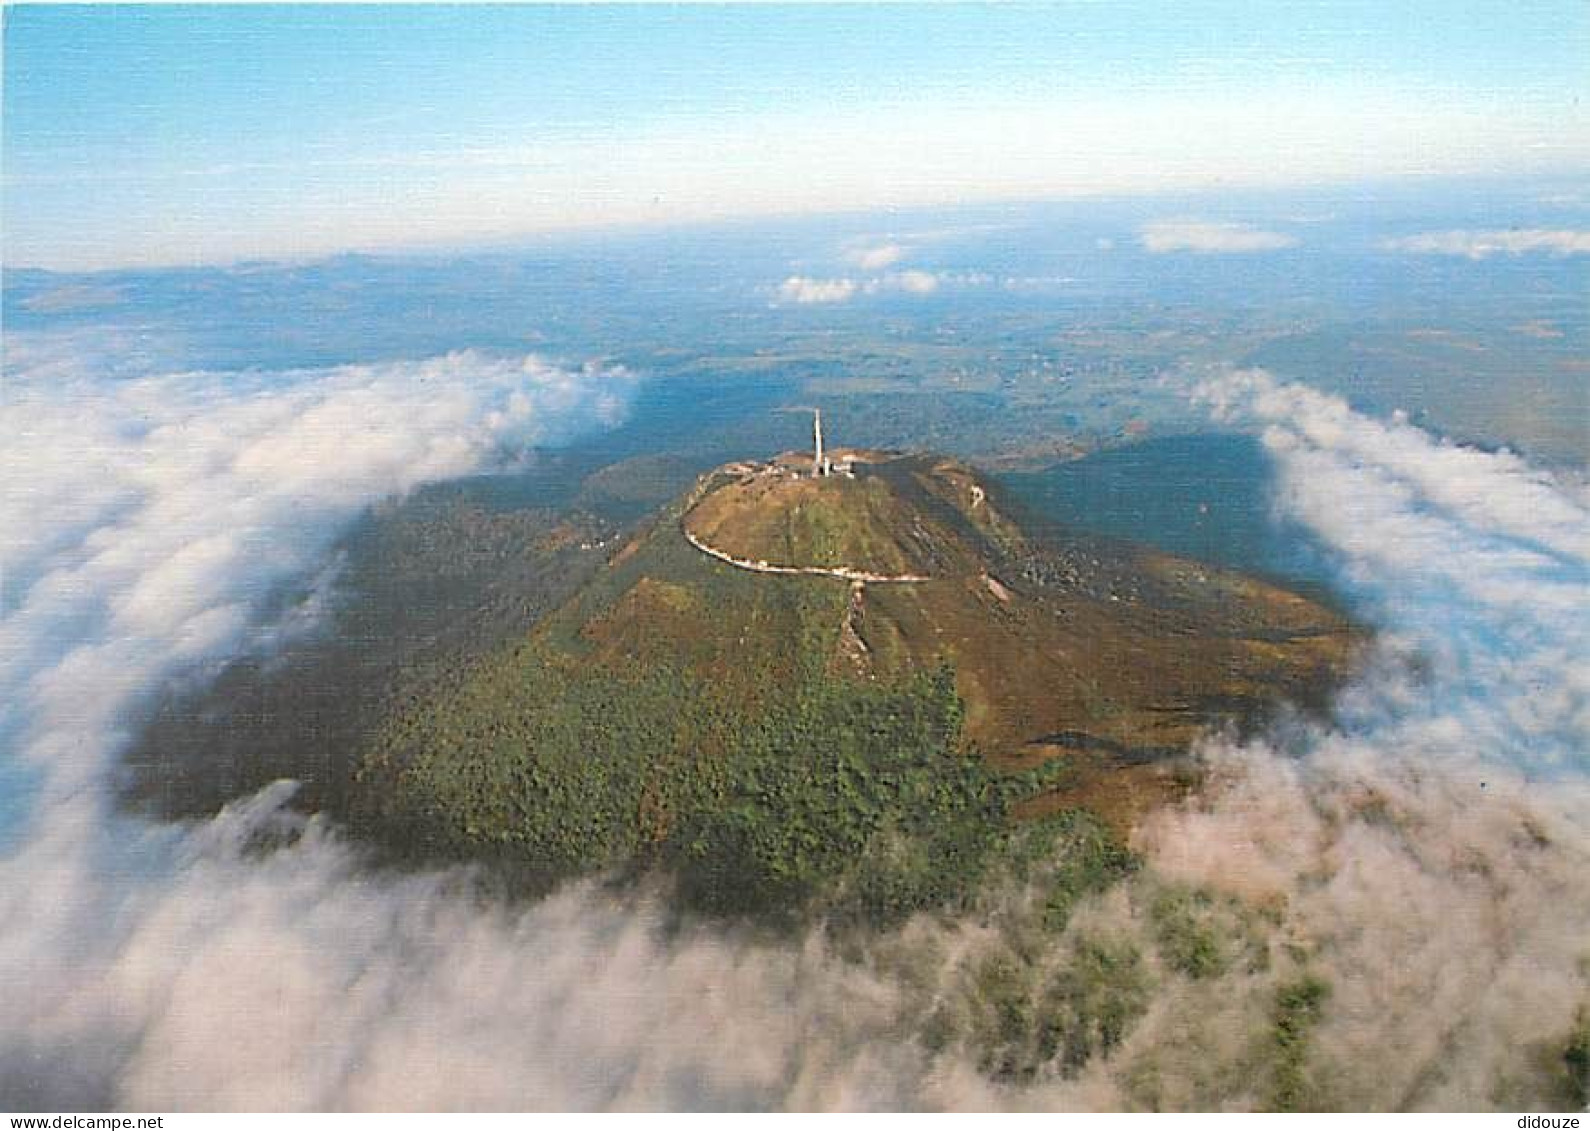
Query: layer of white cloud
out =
(911, 282)
(1473, 562)
(806, 291)
(1402, 850)
(803, 290)
(145, 518)
(875, 257)
(1208, 237)
(1399, 835)
(1482, 244)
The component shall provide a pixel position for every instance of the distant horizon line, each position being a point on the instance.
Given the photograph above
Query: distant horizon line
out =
(507, 243)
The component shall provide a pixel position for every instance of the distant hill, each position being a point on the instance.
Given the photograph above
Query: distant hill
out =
(856, 692)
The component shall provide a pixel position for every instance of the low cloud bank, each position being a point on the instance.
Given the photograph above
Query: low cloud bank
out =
(1425, 856)
(1207, 237)
(1432, 848)
(1483, 244)
(148, 517)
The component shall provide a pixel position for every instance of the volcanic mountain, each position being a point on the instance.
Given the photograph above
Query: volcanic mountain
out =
(787, 672)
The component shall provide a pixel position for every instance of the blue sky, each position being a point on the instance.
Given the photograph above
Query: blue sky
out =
(148, 135)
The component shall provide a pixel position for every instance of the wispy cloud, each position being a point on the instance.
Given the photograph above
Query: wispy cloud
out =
(1484, 243)
(1208, 237)
(803, 290)
(911, 282)
(71, 297)
(876, 257)
(807, 291)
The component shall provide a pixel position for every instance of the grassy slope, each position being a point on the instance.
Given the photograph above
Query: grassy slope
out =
(682, 711)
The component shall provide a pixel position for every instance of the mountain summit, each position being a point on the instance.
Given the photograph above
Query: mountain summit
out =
(755, 684)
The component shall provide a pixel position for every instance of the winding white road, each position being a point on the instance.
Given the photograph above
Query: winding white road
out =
(844, 573)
